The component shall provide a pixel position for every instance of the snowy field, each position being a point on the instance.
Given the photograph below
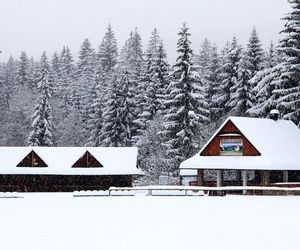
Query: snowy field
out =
(60, 221)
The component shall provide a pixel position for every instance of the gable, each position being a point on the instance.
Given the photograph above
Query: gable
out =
(32, 160)
(229, 133)
(87, 161)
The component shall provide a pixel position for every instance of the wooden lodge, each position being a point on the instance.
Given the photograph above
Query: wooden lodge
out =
(247, 152)
(66, 169)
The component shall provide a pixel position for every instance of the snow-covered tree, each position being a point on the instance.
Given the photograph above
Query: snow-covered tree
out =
(149, 83)
(108, 51)
(160, 71)
(117, 121)
(282, 82)
(66, 79)
(131, 64)
(254, 53)
(271, 57)
(23, 70)
(41, 134)
(203, 58)
(211, 80)
(229, 75)
(54, 73)
(7, 83)
(242, 97)
(186, 104)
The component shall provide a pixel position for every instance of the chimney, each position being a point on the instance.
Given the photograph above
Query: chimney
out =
(274, 114)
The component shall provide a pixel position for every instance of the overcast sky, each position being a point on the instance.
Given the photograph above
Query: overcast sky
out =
(37, 25)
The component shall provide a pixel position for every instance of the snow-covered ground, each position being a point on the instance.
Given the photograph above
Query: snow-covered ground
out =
(60, 221)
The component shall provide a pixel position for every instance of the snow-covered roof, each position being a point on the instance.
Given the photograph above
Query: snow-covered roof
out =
(277, 141)
(115, 161)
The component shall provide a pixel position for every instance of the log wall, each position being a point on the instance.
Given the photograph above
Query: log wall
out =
(61, 183)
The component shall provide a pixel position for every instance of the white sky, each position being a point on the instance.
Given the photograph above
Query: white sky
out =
(37, 25)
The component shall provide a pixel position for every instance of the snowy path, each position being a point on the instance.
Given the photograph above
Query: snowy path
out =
(59, 221)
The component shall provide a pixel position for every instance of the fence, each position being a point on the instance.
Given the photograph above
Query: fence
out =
(189, 191)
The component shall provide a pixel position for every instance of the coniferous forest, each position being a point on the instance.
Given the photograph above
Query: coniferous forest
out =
(122, 95)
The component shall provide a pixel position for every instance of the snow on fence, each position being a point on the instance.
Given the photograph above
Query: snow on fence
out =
(10, 195)
(187, 191)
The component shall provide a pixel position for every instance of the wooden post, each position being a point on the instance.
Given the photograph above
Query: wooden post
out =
(219, 178)
(265, 178)
(285, 176)
(245, 180)
(200, 177)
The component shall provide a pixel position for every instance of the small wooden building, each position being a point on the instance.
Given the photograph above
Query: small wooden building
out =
(247, 151)
(66, 169)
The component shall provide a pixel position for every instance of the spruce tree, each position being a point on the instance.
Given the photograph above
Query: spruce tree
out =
(54, 73)
(23, 70)
(118, 114)
(242, 97)
(131, 64)
(66, 79)
(108, 51)
(254, 53)
(84, 89)
(41, 134)
(282, 81)
(186, 104)
(7, 82)
(149, 84)
(287, 86)
(229, 75)
(111, 129)
(160, 71)
(271, 57)
(203, 58)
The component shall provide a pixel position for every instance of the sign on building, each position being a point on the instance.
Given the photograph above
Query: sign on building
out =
(231, 147)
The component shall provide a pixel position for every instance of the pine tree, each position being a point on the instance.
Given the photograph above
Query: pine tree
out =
(131, 64)
(23, 70)
(54, 73)
(108, 51)
(203, 58)
(254, 53)
(84, 90)
(271, 58)
(263, 87)
(160, 71)
(41, 134)
(287, 86)
(96, 113)
(242, 97)
(43, 66)
(131, 58)
(229, 75)
(187, 107)
(149, 84)
(118, 114)
(282, 81)
(66, 79)
(7, 83)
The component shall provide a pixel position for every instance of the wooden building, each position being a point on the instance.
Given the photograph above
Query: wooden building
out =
(247, 151)
(66, 169)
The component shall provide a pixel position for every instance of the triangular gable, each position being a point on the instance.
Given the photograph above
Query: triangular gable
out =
(32, 160)
(87, 161)
(228, 130)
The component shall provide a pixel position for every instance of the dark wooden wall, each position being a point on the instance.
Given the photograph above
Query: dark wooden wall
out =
(61, 183)
(213, 148)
